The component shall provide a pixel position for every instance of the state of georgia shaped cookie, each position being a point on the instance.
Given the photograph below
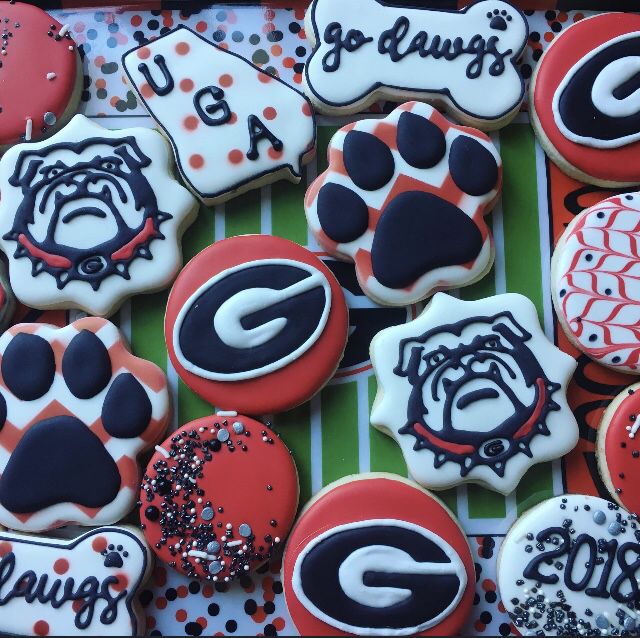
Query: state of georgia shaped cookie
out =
(404, 198)
(91, 216)
(76, 411)
(473, 391)
(233, 127)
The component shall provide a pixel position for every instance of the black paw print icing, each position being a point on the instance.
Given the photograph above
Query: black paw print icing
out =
(76, 409)
(404, 198)
(498, 19)
(114, 555)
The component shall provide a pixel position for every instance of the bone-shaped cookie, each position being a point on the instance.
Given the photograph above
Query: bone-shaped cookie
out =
(85, 586)
(232, 126)
(365, 50)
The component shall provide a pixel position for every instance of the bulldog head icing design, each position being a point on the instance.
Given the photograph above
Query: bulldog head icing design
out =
(83, 222)
(473, 392)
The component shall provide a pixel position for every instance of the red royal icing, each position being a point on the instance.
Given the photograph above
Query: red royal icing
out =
(255, 484)
(368, 498)
(615, 164)
(619, 450)
(31, 54)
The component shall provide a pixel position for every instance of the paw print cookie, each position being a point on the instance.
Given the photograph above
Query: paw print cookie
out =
(41, 74)
(405, 198)
(92, 216)
(473, 391)
(87, 585)
(219, 497)
(76, 410)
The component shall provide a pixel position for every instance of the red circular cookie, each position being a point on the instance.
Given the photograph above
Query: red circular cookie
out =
(256, 324)
(40, 74)
(376, 555)
(584, 104)
(619, 448)
(218, 496)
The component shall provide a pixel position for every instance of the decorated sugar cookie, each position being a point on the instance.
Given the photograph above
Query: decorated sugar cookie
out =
(41, 74)
(91, 216)
(375, 555)
(473, 391)
(232, 126)
(76, 410)
(595, 285)
(405, 199)
(88, 585)
(618, 448)
(585, 104)
(256, 323)
(569, 567)
(218, 497)
(366, 50)
(7, 299)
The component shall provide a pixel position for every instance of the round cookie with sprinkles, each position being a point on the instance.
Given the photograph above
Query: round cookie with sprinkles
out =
(618, 447)
(256, 324)
(376, 555)
(40, 75)
(218, 497)
(595, 282)
(569, 566)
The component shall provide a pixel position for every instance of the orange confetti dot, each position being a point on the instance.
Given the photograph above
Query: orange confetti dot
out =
(186, 85)
(236, 156)
(182, 591)
(182, 48)
(151, 622)
(191, 122)
(144, 53)
(265, 78)
(548, 36)
(278, 623)
(122, 582)
(276, 50)
(270, 113)
(101, 83)
(99, 61)
(225, 80)
(161, 603)
(202, 621)
(196, 161)
(146, 91)
(61, 566)
(99, 544)
(306, 109)
(288, 63)
(201, 27)
(181, 615)
(207, 591)
(41, 628)
(233, 118)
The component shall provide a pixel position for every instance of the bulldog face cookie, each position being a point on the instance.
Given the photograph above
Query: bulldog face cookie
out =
(232, 126)
(585, 101)
(366, 50)
(405, 198)
(85, 586)
(91, 216)
(374, 555)
(76, 410)
(256, 323)
(568, 567)
(41, 74)
(473, 391)
(219, 497)
(594, 282)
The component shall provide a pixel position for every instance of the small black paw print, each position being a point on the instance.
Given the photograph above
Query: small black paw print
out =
(113, 556)
(498, 19)
(404, 197)
(76, 409)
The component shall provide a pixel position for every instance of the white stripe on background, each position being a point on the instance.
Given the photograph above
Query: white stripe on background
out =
(265, 210)
(125, 319)
(316, 444)
(312, 173)
(218, 225)
(364, 429)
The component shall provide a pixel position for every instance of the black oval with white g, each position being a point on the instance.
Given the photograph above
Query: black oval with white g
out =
(598, 102)
(379, 577)
(252, 319)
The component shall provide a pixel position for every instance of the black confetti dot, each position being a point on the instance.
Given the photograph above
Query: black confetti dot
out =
(194, 587)
(504, 629)
(193, 629)
(213, 609)
(486, 617)
(146, 596)
(171, 594)
(270, 630)
(250, 607)
(231, 626)
(269, 607)
(490, 597)
(277, 587)
(153, 25)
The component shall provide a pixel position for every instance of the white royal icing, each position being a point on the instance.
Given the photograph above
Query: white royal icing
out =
(91, 216)
(206, 114)
(99, 574)
(473, 391)
(596, 281)
(381, 559)
(608, 79)
(564, 557)
(227, 320)
(482, 83)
